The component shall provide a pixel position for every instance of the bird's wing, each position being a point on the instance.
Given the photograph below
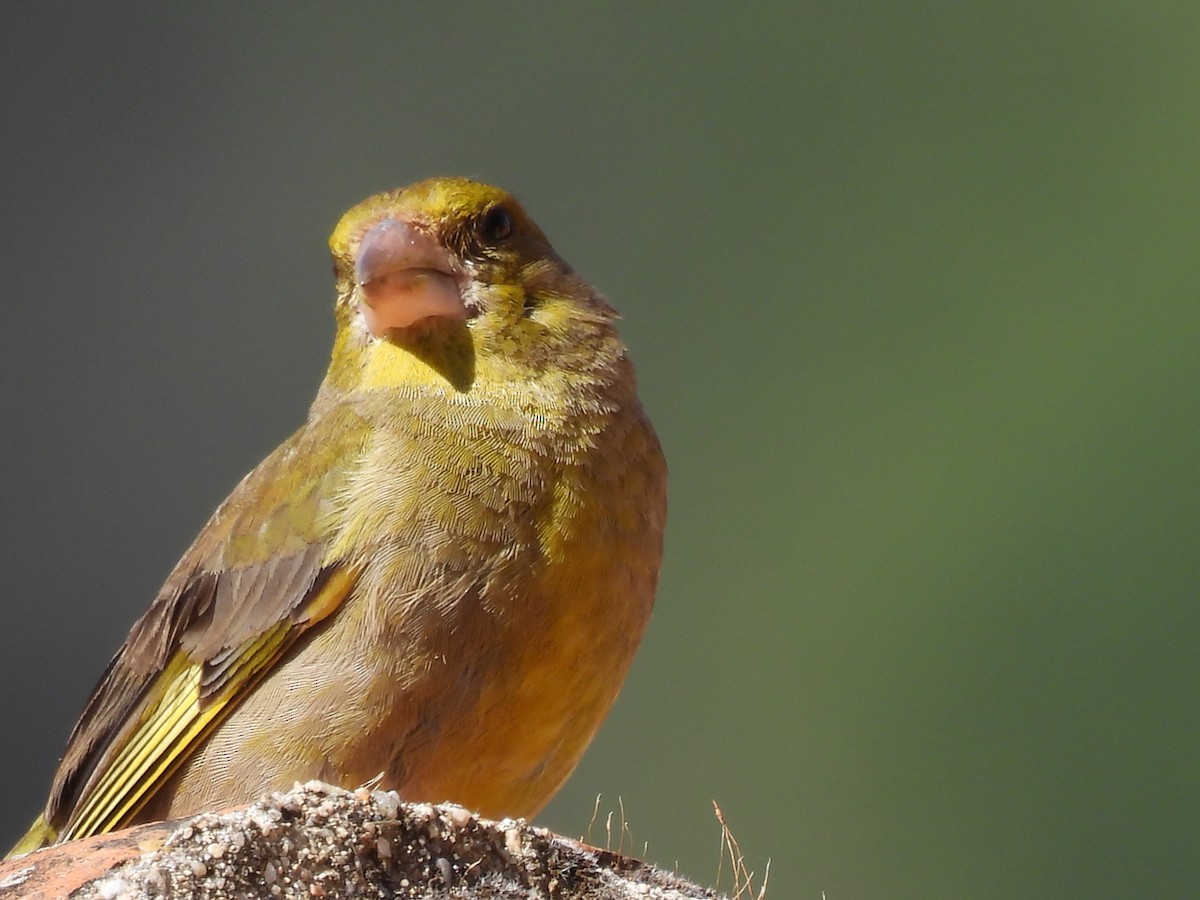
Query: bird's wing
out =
(254, 581)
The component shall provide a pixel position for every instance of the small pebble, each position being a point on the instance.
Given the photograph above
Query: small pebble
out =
(388, 802)
(112, 888)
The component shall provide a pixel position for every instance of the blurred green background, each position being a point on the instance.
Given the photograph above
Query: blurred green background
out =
(913, 290)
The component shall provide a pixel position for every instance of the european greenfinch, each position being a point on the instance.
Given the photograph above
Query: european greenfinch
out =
(438, 582)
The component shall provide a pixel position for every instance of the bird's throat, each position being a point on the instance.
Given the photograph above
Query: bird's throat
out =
(438, 353)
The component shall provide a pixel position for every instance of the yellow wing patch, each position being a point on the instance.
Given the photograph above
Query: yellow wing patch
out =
(177, 716)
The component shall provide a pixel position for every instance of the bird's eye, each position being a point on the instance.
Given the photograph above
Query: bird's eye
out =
(496, 225)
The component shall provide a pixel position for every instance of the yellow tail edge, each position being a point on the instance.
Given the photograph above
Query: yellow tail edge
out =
(38, 836)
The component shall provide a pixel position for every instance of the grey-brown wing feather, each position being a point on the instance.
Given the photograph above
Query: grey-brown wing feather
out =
(207, 613)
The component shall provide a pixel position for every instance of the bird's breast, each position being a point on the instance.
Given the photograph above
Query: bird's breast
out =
(512, 588)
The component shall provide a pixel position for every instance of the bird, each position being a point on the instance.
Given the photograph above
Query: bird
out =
(437, 584)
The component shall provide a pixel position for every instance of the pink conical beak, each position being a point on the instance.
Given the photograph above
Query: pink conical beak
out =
(404, 276)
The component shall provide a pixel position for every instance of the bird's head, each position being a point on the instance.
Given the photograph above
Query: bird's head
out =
(450, 280)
